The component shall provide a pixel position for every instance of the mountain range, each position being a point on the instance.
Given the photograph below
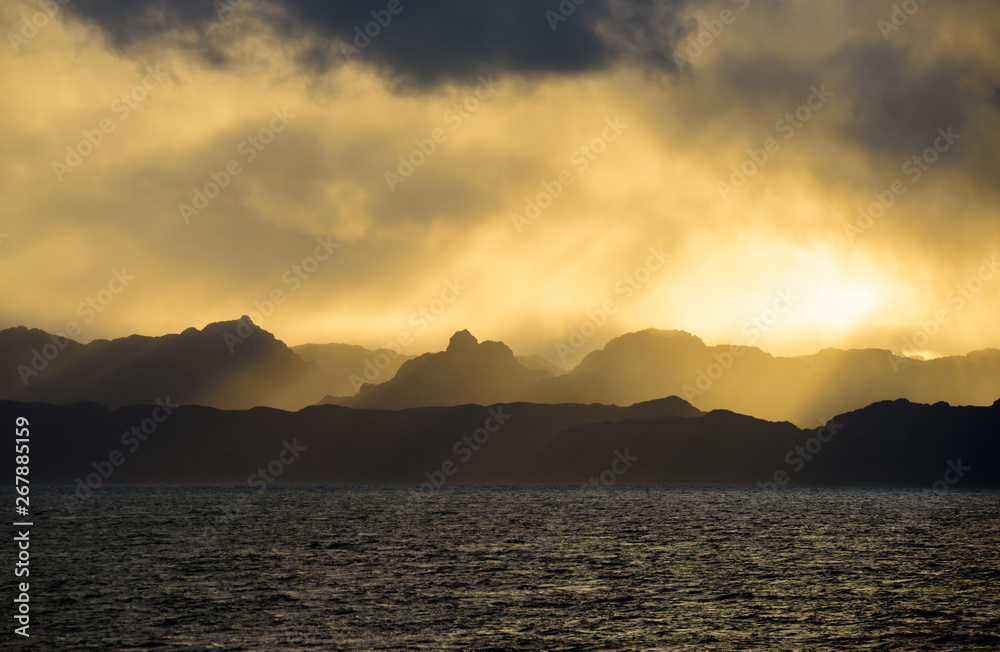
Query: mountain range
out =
(650, 364)
(238, 365)
(663, 442)
(229, 365)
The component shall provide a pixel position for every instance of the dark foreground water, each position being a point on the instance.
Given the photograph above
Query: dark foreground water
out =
(511, 568)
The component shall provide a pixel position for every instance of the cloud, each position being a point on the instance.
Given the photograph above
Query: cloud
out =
(900, 102)
(325, 174)
(424, 43)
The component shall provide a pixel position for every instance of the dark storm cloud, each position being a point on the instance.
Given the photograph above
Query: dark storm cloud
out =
(896, 102)
(899, 105)
(428, 41)
(134, 21)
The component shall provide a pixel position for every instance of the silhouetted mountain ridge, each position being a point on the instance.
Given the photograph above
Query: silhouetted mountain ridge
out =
(237, 365)
(468, 371)
(805, 390)
(230, 364)
(667, 442)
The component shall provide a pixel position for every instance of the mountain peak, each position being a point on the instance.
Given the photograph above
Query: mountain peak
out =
(462, 341)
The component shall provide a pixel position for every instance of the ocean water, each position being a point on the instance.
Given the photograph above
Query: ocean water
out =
(500, 568)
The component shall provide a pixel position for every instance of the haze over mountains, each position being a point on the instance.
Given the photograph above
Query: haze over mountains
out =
(651, 364)
(229, 365)
(468, 371)
(235, 365)
(805, 390)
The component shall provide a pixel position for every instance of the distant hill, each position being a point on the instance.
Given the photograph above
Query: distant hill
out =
(197, 366)
(666, 442)
(231, 365)
(468, 371)
(806, 390)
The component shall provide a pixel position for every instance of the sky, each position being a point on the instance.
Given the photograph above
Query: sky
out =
(788, 174)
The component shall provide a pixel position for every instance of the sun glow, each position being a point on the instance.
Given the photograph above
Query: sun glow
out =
(842, 306)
